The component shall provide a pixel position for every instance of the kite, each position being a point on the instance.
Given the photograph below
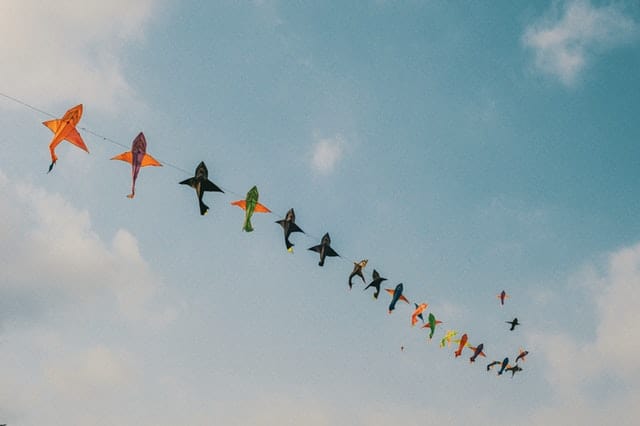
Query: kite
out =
(395, 296)
(289, 226)
(418, 312)
(513, 323)
(447, 337)
(521, 355)
(492, 364)
(64, 129)
(201, 183)
(324, 248)
(250, 205)
(513, 369)
(462, 343)
(477, 351)
(377, 279)
(503, 295)
(357, 270)
(503, 366)
(432, 325)
(138, 158)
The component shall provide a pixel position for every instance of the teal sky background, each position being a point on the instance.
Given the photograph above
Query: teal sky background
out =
(462, 148)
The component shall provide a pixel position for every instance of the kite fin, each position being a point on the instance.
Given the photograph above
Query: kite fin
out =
(316, 248)
(53, 125)
(187, 182)
(75, 138)
(125, 156)
(331, 252)
(211, 187)
(404, 299)
(261, 209)
(148, 160)
(240, 203)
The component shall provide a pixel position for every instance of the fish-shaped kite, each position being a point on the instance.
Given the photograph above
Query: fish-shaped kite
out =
(448, 336)
(201, 183)
(357, 270)
(324, 248)
(418, 312)
(64, 129)
(138, 158)
(432, 323)
(377, 280)
(513, 323)
(522, 355)
(250, 205)
(502, 296)
(477, 350)
(461, 344)
(396, 294)
(503, 366)
(289, 226)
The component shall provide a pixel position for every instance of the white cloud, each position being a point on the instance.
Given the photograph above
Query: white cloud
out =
(327, 153)
(69, 51)
(597, 381)
(51, 256)
(565, 43)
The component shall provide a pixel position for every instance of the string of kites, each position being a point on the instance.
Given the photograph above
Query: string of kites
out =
(64, 129)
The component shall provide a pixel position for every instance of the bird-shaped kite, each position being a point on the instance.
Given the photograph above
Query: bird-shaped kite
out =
(324, 248)
(289, 226)
(201, 183)
(64, 129)
(377, 279)
(138, 158)
(250, 205)
(357, 270)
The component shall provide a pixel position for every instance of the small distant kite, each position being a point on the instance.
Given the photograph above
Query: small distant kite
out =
(492, 364)
(138, 158)
(448, 336)
(64, 129)
(477, 351)
(289, 225)
(324, 248)
(201, 183)
(514, 369)
(377, 280)
(418, 313)
(513, 323)
(503, 366)
(250, 205)
(522, 355)
(461, 345)
(502, 296)
(357, 270)
(433, 322)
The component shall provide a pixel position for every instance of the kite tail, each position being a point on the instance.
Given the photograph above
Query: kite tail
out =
(51, 167)
(203, 208)
(321, 263)
(247, 226)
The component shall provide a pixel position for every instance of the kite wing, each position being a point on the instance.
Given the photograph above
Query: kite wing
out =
(127, 157)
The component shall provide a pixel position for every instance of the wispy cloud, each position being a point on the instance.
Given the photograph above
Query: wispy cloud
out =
(577, 370)
(51, 256)
(566, 40)
(69, 51)
(327, 153)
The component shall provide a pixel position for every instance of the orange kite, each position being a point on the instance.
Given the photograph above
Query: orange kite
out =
(64, 129)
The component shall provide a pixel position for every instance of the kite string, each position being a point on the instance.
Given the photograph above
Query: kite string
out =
(107, 139)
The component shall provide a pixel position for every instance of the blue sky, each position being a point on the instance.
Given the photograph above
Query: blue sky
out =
(462, 149)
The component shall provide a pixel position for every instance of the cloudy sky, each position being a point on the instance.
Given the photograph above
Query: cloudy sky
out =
(461, 148)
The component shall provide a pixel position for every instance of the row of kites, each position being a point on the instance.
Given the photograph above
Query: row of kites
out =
(64, 129)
